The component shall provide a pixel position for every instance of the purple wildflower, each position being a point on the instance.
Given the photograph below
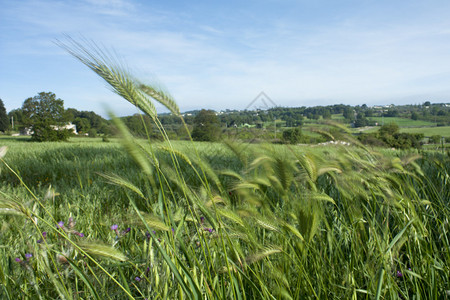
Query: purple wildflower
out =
(18, 260)
(60, 224)
(80, 234)
(28, 256)
(44, 234)
(137, 278)
(154, 232)
(399, 274)
(114, 227)
(202, 219)
(126, 230)
(208, 229)
(147, 234)
(173, 230)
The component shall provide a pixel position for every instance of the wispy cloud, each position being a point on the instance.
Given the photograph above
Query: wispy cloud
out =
(223, 57)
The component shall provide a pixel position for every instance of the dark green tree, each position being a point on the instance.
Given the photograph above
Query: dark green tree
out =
(206, 126)
(361, 120)
(83, 124)
(16, 116)
(45, 115)
(292, 135)
(349, 114)
(388, 129)
(326, 114)
(391, 136)
(4, 120)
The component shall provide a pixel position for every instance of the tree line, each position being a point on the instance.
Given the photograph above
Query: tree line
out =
(45, 116)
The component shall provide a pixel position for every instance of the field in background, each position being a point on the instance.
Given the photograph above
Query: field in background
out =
(401, 122)
(429, 131)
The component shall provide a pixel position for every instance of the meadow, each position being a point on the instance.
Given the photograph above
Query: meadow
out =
(429, 131)
(402, 122)
(138, 219)
(248, 221)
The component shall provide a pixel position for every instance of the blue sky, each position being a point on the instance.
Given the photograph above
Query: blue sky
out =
(222, 54)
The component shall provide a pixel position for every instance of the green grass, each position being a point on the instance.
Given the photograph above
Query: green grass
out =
(337, 117)
(301, 211)
(187, 220)
(402, 122)
(429, 131)
(426, 131)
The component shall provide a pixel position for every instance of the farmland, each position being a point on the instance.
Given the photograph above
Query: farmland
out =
(402, 122)
(222, 221)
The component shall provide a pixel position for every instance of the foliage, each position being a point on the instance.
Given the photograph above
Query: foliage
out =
(45, 115)
(83, 125)
(4, 120)
(292, 135)
(206, 126)
(361, 120)
(389, 135)
(140, 125)
(435, 139)
(86, 120)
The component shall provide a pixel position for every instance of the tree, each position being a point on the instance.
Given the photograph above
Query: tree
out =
(45, 115)
(349, 114)
(206, 126)
(83, 124)
(16, 115)
(86, 120)
(4, 120)
(361, 120)
(388, 129)
(292, 135)
(326, 114)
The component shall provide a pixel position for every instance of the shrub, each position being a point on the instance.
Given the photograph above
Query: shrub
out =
(292, 135)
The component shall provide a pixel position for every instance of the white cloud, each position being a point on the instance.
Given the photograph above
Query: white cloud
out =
(206, 64)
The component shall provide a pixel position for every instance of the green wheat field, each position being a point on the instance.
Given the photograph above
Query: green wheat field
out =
(140, 219)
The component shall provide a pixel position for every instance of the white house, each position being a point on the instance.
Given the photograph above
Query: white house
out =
(69, 126)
